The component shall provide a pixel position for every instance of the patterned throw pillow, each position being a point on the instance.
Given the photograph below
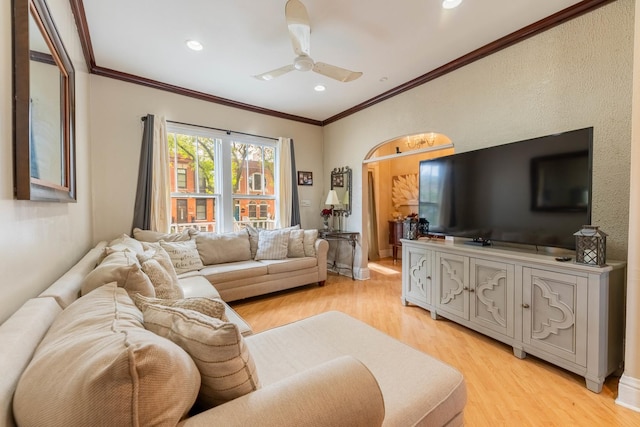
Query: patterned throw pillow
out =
(156, 263)
(309, 242)
(212, 307)
(184, 255)
(273, 244)
(296, 246)
(217, 347)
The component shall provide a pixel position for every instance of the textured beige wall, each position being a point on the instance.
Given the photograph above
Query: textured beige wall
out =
(40, 241)
(116, 135)
(575, 75)
(629, 385)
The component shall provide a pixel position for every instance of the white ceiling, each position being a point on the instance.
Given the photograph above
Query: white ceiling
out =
(391, 42)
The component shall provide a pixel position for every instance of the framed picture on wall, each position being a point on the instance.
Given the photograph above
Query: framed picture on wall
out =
(305, 178)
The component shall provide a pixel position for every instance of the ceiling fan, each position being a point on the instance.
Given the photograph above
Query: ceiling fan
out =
(300, 31)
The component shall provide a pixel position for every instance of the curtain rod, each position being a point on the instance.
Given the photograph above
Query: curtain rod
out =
(229, 132)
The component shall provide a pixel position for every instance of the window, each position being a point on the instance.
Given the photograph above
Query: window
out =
(182, 178)
(216, 176)
(201, 209)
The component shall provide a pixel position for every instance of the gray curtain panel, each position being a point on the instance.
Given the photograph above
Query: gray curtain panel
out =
(295, 206)
(142, 207)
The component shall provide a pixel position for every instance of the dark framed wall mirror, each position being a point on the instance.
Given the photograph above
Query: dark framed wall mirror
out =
(44, 107)
(341, 183)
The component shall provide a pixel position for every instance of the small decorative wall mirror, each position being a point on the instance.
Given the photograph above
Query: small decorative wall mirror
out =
(44, 107)
(341, 183)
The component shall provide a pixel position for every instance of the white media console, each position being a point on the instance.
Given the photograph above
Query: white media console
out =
(569, 314)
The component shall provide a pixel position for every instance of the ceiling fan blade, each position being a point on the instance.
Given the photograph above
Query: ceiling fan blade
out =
(337, 73)
(299, 27)
(270, 75)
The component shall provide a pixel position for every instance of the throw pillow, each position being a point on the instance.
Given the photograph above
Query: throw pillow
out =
(212, 307)
(273, 244)
(156, 263)
(309, 242)
(253, 239)
(296, 246)
(125, 242)
(155, 236)
(121, 267)
(218, 349)
(218, 248)
(184, 255)
(98, 365)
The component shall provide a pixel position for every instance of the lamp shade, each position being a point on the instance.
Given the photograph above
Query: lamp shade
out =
(332, 198)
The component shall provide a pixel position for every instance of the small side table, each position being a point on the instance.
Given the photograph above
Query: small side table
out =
(349, 236)
(395, 234)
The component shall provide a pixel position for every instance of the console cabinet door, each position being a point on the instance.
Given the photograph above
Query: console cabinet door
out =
(452, 284)
(416, 279)
(554, 310)
(491, 290)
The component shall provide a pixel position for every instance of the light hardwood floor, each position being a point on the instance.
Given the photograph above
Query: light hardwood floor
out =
(502, 390)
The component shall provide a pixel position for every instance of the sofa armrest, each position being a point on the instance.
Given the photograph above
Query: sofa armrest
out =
(341, 392)
(322, 248)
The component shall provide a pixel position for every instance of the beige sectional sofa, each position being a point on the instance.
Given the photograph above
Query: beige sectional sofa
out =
(241, 264)
(113, 357)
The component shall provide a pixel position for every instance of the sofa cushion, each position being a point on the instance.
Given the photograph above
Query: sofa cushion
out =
(273, 244)
(309, 242)
(97, 364)
(156, 236)
(197, 286)
(212, 307)
(234, 271)
(157, 264)
(217, 347)
(290, 264)
(219, 248)
(121, 267)
(296, 246)
(184, 255)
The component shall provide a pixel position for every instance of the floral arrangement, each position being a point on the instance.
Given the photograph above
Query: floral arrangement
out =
(326, 213)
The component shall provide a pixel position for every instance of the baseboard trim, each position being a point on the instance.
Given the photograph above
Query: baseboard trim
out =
(629, 393)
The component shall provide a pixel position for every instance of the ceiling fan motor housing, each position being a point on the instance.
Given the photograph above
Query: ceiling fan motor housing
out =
(303, 63)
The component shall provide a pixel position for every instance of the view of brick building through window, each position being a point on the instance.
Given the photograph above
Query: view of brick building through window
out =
(197, 183)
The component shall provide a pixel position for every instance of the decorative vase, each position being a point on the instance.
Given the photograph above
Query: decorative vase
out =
(325, 221)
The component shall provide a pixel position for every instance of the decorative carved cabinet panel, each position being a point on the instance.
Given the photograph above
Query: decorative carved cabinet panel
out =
(554, 317)
(569, 314)
(417, 267)
(492, 286)
(452, 284)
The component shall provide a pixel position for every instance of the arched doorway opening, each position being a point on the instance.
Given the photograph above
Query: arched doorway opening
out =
(391, 185)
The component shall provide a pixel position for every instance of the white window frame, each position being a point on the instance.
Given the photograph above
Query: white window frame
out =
(224, 208)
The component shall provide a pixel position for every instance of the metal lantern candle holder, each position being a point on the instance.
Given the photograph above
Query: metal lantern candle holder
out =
(410, 228)
(591, 246)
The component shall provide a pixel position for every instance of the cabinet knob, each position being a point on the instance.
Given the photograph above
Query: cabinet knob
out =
(472, 290)
(429, 277)
(525, 305)
(465, 288)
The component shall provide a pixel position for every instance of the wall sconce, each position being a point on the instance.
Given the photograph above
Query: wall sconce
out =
(419, 141)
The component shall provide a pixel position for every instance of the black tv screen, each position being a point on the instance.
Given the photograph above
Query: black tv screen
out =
(535, 192)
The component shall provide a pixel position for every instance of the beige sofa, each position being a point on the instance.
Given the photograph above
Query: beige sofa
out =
(241, 264)
(327, 370)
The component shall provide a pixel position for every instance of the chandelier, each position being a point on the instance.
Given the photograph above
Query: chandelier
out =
(419, 141)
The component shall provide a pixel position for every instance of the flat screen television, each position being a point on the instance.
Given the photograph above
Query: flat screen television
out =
(533, 192)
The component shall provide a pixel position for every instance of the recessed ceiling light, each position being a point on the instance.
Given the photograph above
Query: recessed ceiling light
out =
(450, 4)
(383, 79)
(319, 88)
(194, 45)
